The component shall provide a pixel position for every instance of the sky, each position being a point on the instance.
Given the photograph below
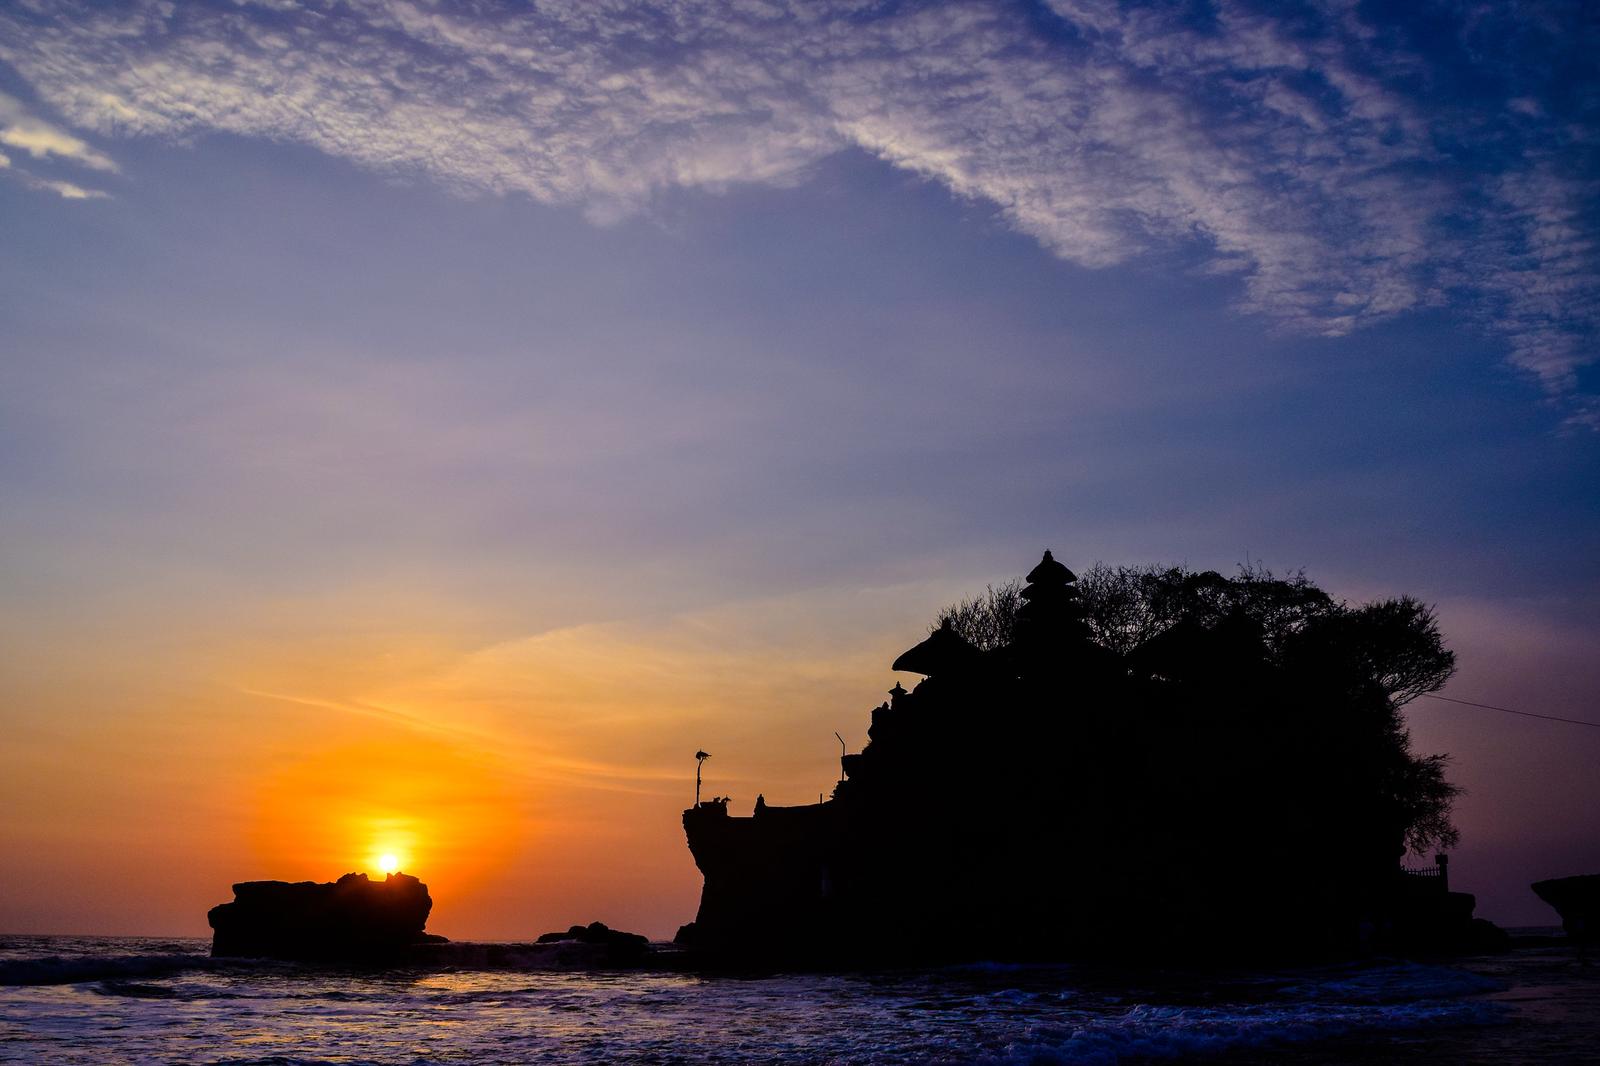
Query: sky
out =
(424, 426)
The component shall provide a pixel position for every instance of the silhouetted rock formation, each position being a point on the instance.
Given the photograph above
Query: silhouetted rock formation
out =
(351, 920)
(1421, 914)
(611, 946)
(1577, 900)
(1225, 772)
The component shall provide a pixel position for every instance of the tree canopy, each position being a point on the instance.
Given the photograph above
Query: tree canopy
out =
(1339, 674)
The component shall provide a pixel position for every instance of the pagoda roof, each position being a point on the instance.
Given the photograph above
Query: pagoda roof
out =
(1050, 572)
(944, 652)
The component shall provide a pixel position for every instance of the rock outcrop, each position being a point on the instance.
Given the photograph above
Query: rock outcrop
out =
(1577, 900)
(600, 944)
(1210, 790)
(1421, 916)
(354, 919)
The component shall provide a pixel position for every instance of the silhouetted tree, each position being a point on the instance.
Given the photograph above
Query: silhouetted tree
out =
(1396, 643)
(1127, 605)
(1425, 799)
(988, 621)
(1352, 668)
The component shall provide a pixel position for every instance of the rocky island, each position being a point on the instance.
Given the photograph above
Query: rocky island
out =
(1164, 763)
(353, 919)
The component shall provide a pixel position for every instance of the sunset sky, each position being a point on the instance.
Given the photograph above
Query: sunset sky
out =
(423, 426)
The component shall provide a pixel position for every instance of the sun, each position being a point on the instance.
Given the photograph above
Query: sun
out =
(388, 863)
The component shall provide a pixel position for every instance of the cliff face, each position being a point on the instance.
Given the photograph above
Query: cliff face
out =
(766, 876)
(352, 920)
(1052, 798)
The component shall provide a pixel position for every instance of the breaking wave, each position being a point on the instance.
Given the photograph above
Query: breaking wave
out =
(64, 970)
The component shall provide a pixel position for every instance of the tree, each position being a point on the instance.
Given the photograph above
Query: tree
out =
(988, 621)
(1424, 799)
(1394, 643)
(1350, 668)
(1127, 605)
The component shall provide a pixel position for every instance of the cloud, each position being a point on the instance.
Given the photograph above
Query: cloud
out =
(1321, 160)
(41, 140)
(68, 191)
(64, 189)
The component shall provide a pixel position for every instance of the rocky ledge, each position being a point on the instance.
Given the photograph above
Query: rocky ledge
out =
(1577, 900)
(353, 919)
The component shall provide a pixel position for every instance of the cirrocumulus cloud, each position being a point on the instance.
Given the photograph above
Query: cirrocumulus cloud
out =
(1343, 171)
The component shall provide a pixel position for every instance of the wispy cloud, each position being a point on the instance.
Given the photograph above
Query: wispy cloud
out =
(39, 139)
(67, 190)
(1322, 160)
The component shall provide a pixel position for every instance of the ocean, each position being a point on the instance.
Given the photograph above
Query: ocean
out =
(122, 999)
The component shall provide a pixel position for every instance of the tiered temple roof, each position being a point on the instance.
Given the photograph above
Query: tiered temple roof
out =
(1051, 614)
(944, 652)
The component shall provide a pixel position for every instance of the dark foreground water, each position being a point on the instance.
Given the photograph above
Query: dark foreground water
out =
(97, 1000)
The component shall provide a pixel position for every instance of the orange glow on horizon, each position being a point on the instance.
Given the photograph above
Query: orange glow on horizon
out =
(531, 783)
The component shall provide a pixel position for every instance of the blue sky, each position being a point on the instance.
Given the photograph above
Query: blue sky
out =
(476, 323)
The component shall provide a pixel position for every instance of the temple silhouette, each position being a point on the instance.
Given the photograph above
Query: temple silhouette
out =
(1228, 773)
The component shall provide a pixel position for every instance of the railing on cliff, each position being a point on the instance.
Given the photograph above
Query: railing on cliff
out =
(1436, 876)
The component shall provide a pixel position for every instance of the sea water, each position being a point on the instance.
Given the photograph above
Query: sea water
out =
(96, 1000)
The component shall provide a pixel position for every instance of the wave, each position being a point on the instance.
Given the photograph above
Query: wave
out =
(1151, 1032)
(1394, 982)
(533, 957)
(985, 1013)
(75, 969)
(67, 970)
(137, 990)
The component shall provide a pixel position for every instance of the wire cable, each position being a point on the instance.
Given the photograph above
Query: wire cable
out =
(1508, 710)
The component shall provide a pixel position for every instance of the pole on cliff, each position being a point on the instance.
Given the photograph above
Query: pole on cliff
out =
(700, 758)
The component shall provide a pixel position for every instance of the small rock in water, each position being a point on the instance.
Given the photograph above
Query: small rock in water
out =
(615, 945)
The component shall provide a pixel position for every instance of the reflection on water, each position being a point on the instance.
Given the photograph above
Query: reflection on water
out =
(163, 1000)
